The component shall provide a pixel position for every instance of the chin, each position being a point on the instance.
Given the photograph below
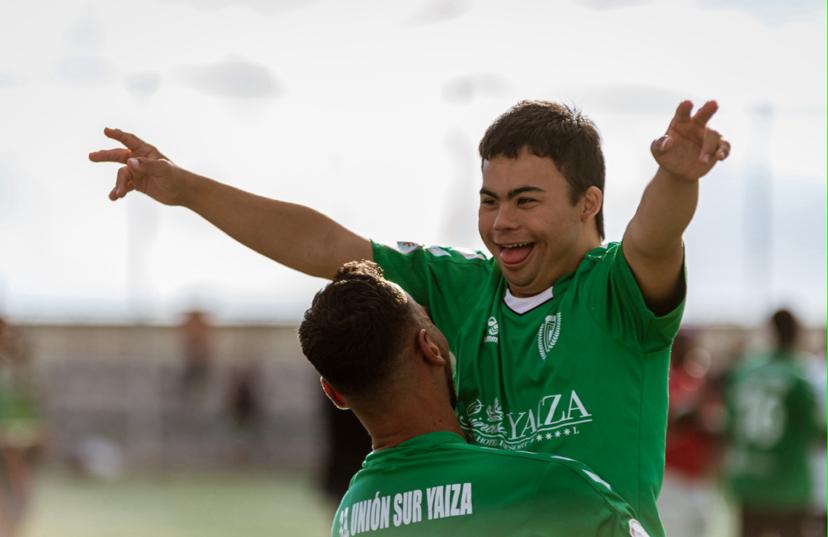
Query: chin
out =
(516, 285)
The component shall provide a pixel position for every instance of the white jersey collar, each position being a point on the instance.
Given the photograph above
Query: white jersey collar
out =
(521, 305)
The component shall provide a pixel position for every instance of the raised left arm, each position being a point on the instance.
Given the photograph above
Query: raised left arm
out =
(652, 242)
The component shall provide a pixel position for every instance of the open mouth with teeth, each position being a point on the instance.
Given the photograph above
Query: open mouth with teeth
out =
(516, 253)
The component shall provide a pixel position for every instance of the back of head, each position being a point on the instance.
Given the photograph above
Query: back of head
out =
(355, 328)
(555, 131)
(785, 329)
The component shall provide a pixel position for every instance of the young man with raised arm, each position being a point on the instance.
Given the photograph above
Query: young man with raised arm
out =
(562, 345)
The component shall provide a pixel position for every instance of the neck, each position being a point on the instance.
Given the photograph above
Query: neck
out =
(571, 262)
(407, 417)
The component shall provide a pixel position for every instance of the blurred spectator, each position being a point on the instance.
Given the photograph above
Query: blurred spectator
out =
(21, 431)
(689, 493)
(246, 410)
(773, 426)
(198, 354)
(815, 368)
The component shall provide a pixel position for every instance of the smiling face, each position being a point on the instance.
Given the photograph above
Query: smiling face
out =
(529, 223)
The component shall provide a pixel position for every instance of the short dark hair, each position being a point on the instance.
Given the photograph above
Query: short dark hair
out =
(555, 131)
(355, 327)
(785, 329)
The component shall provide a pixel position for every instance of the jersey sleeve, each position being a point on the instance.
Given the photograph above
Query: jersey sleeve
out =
(618, 304)
(446, 281)
(590, 506)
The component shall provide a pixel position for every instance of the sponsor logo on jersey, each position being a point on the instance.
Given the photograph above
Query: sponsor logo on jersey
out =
(636, 529)
(556, 417)
(407, 247)
(492, 330)
(548, 334)
(436, 251)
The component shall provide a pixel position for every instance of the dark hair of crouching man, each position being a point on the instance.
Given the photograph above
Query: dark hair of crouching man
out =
(379, 354)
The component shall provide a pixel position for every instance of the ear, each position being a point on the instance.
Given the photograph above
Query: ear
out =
(593, 198)
(335, 397)
(429, 348)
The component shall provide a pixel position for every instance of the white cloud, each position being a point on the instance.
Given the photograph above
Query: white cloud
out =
(267, 7)
(464, 89)
(143, 85)
(8, 80)
(361, 134)
(234, 78)
(87, 34)
(86, 70)
(436, 11)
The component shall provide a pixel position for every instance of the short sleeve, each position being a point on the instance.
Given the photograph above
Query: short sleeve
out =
(617, 302)
(446, 281)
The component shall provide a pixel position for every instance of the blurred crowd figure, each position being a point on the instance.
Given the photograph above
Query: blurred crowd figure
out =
(773, 428)
(246, 410)
(818, 375)
(690, 492)
(21, 431)
(196, 333)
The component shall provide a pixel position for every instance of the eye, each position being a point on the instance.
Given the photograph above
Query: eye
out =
(524, 202)
(487, 202)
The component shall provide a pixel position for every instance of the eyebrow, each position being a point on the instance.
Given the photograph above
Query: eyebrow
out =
(512, 193)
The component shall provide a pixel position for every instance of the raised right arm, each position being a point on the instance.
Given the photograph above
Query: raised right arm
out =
(293, 235)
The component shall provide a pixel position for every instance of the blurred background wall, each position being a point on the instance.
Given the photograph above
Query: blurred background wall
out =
(124, 386)
(127, 386)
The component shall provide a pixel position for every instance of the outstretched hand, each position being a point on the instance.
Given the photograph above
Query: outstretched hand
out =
(145, 170)
(689, 149)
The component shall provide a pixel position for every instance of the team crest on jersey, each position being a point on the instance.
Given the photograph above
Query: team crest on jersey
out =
(492, 331)
(407, 247)
(548, 334)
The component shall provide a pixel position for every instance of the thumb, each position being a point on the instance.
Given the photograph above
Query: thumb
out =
(661, 145)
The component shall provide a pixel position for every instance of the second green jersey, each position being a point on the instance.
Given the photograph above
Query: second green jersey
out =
(438, 485)
(773, 426)
(580, 370)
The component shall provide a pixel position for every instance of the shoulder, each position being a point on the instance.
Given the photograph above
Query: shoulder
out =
(599, 256)
(561, 471)
(440, 254)
(600, 262)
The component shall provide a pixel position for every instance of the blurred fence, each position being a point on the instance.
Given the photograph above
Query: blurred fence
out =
(118, 390)
(120, 386)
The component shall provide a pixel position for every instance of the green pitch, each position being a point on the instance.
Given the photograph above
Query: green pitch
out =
(193, 505)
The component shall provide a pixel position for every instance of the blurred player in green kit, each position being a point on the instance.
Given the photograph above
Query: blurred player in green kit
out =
(562, 344)
(379, 354)
(774, 421)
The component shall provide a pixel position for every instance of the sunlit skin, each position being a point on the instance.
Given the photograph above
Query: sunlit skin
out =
(529, 223)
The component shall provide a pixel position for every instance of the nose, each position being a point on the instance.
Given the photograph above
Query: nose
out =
(505, 218)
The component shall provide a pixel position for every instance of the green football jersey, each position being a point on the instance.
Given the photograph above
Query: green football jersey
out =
(579, 371)
(773, 425)
(438, 485)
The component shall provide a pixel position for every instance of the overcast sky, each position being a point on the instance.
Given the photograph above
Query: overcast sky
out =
(371, 112)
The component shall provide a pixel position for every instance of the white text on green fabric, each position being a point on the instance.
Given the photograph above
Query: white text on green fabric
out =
(405, 508)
